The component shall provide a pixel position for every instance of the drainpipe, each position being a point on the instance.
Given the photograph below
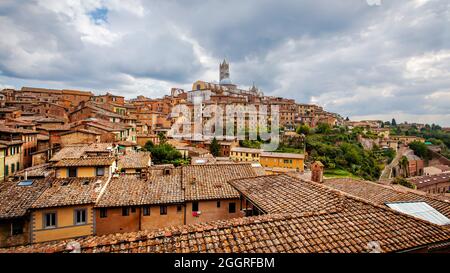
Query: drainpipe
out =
(140, 219)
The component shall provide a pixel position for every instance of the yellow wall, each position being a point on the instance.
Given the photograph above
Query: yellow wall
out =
(290, 163)
(2, 163)
(81, 171)
(246, 157)
(66, 227)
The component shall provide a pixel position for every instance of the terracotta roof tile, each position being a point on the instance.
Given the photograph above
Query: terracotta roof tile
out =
(204, 182)
(15, 200)
(350, 230)
(85, 161)
(381, 194)
(70, 191)
(138, 160)
(78, 150)
(282, 193)
(127, 190)
(42, 170)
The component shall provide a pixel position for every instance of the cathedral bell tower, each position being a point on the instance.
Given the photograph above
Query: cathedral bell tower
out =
(224, 69)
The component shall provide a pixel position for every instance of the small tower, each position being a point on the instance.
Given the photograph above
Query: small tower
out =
(224, 69)
(317, 172)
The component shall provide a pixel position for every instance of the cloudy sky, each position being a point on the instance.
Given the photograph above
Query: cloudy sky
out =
(360, 58)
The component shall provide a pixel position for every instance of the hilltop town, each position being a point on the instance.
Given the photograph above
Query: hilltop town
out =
(108, 173)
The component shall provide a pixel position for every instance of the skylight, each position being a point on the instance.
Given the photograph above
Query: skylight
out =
(420, 210)
(26, 183)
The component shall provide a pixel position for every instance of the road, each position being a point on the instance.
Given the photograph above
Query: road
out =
(387, 171)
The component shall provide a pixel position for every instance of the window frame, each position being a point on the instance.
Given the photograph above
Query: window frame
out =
(163, 210)
(44, 220)
(196, 204)
(230, 205)
(75, 216)
(146, 211)
(103, 212)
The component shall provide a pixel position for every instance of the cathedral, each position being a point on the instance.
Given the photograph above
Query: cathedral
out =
(225, 85)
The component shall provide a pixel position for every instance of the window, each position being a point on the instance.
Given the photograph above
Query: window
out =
(72, 172)
(103, 213)
(6, 170)
(218, 204)
(125, 211)
(17, 166)
(100, 171)
(50, 220)
(178, 208)
(146, 211)
(232, 207)
(17, 228)
(12, 168)
(163, 210)
(133, 210)
(80, 216)
(195, 206)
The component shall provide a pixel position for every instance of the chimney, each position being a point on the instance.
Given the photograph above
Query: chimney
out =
(193, 180)
(26, 175)
(317, 172)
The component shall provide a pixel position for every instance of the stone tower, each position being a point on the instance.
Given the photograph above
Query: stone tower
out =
(224, 70)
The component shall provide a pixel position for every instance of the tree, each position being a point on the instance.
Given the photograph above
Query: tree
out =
(347, 119)
(164, 154)
(149, 145)
(303, 129)
(404, 165)
(162, 138)
(323, 128)
(420, 149)
(403, 182)
(214, 148)
(394, 123)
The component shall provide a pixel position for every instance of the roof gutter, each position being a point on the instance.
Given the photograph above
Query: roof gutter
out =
(427, 246)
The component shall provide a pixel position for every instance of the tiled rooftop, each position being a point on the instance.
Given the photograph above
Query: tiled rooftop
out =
(427, 180)
(138, 160)
(70, 191)
(42, 170)
(85, 161)
(78, 150)
(283, 193)
(205, 182)
(381, 194)
(15, 200)
(127, 190)
(352, 229)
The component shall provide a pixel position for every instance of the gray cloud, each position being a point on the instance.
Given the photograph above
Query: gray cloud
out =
(355, 59)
